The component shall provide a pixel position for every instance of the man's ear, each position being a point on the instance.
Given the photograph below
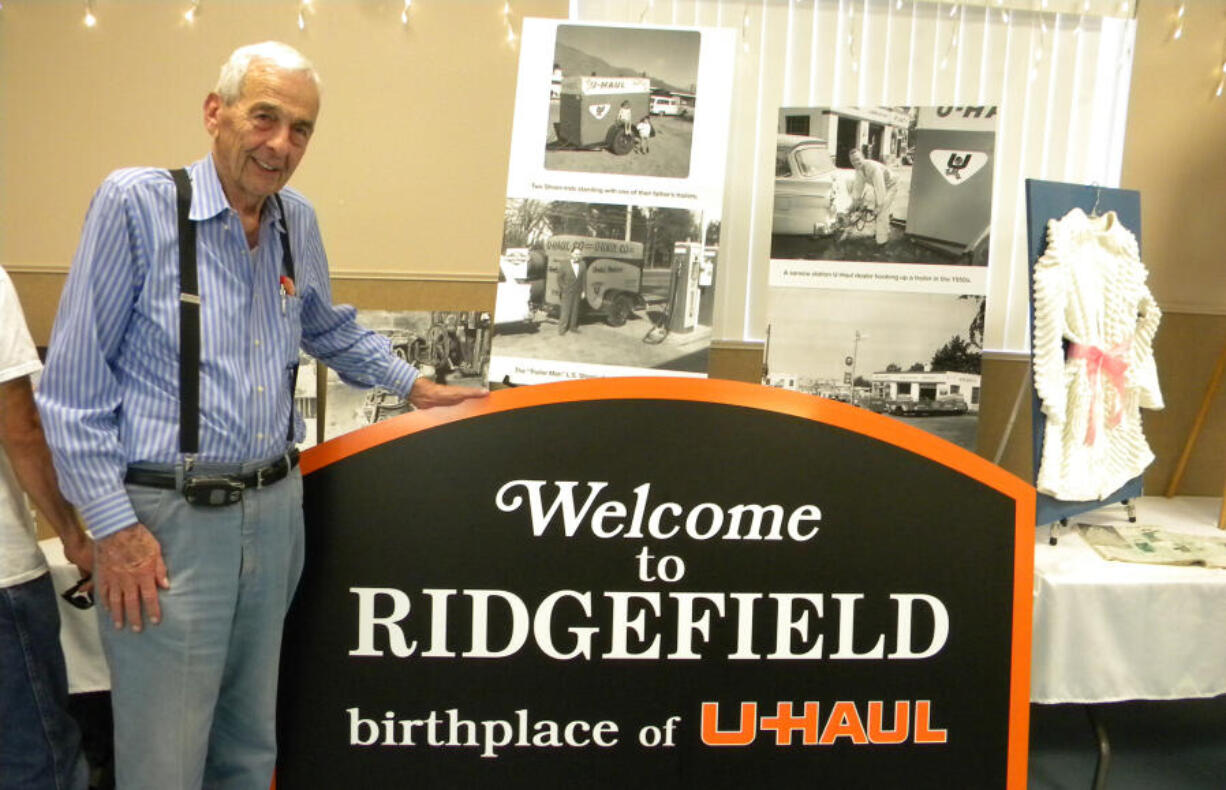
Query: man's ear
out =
(212, 112)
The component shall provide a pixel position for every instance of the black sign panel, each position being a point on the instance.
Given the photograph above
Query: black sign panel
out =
(657, 583)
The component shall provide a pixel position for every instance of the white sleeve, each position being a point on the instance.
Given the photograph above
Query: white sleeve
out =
(1050, 297)
(18, 357)
(1143, 369)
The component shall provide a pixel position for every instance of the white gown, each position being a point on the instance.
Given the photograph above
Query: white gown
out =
(1089, 289)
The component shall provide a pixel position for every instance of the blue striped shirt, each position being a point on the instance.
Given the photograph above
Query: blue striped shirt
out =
(110, 392)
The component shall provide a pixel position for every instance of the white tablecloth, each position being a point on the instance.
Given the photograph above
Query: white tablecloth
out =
(1107, 631)
(78, 628)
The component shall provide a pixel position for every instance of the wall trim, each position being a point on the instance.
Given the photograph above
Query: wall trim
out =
(1006, 356)
(1188, 308)
(343, 274)
(738, 345)
(36, 268)
(456, 277)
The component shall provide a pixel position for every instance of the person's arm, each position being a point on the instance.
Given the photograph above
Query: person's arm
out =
(363, 358)
(21, 436)
(879, 184)
(79, 398)
(857, 189)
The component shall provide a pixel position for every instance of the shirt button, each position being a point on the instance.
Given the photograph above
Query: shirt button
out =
(259, 436)
(257, 342)
(260, 389)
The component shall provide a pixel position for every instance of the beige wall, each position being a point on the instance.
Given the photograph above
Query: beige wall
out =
(410, 164)
(1174, 156)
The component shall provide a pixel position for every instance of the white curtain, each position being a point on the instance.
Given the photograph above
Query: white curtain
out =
(1061, 82)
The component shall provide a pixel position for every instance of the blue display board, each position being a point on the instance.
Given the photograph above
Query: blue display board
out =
(1045, 201)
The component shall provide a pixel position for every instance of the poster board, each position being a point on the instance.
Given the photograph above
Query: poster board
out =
(879, 300)
(614, 194)
(660, 583)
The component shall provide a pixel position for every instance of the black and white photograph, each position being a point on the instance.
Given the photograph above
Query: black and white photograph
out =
(622, 100)
(884, 184)
(446, 346)
(595, 289)
(622, 114)
(914, 356)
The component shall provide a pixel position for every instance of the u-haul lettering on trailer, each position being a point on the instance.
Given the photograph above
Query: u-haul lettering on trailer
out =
(976, 118)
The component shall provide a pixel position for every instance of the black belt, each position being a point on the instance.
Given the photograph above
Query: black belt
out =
(258, 478)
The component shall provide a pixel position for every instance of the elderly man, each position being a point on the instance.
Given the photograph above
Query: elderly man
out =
(884, 184)
(40, 746)
(168, 400)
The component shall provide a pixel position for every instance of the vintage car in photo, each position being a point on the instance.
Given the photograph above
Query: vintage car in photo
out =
(667, 105)
(943, 405)
(810, 192)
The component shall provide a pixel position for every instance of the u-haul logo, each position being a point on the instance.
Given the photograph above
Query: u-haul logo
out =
(957, 166)
(909, 722)
(598, 111)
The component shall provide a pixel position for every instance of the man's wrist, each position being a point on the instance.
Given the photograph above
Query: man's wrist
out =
(400, 377)
(108, 514)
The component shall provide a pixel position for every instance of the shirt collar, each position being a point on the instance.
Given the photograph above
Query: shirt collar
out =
(209, 199)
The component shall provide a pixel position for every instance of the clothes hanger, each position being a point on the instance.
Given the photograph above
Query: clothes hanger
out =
(1098, 193)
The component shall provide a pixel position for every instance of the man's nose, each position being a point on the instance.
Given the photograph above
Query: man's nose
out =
(280, 141)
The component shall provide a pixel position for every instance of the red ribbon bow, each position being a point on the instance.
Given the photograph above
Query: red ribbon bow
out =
(1112, 365)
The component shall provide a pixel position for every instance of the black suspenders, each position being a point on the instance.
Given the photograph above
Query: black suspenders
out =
(189, 317)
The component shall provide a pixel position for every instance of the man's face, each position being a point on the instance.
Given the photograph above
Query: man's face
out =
(856, 158)
(259, 140)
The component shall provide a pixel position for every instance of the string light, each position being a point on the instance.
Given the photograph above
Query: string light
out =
(851, 39)
(506, 18)
(404, 12)
(190, 14)
(952, 49)
(90, 20)
(1038, 53)
(1179, 12)
(303, 7)
(1221, 80)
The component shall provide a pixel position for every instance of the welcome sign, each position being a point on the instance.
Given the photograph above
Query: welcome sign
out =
(659, 583)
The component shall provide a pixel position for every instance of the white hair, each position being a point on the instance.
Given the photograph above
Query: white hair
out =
(282, 56)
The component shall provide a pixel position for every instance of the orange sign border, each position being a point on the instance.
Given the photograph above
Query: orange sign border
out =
(755, 396)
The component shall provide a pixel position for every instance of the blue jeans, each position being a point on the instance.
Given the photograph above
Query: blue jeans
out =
(40, 745)
(194, 697)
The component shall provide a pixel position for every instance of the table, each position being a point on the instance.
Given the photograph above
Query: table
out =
(1109, 631)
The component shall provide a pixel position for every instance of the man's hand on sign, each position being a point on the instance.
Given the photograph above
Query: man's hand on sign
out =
(426, 394)
(129, 570)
